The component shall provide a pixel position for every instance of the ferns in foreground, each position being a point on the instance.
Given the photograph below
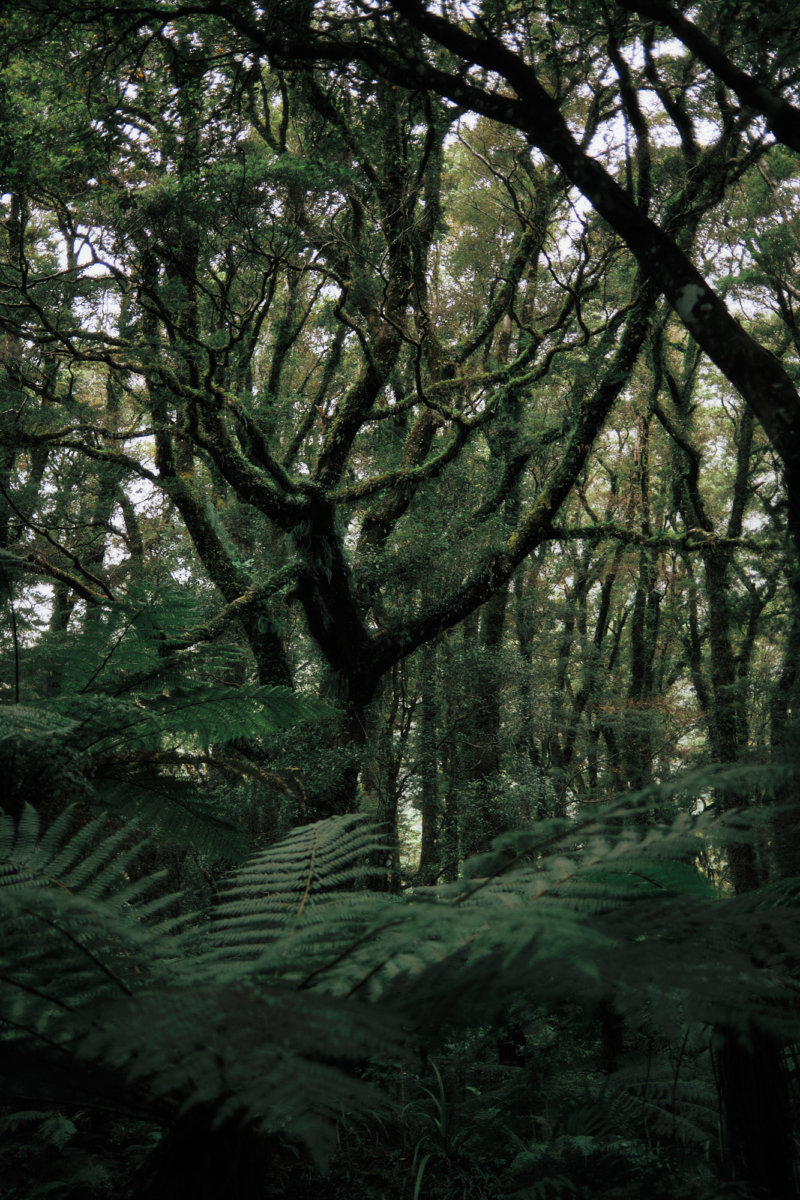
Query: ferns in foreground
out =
(259, 1013)
(93, 974)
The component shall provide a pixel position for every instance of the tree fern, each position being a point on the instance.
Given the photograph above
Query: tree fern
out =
(200, 716)
(158, 751)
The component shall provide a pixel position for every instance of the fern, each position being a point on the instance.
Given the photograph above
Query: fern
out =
(258, 1010)
(150, 751)
(89, 969)
(144, 720)
(666, 1103)
(259, 1056)
(302, 899)
(176, 810)
(200, 715)
(68, 935)
(75, 861)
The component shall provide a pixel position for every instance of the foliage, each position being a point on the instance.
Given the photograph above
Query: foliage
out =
(257, 1012)
(399, 417)
(154, 733)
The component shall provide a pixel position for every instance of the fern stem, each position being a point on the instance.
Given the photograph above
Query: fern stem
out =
(334, 962)
(33, 991)
(374, 971)
(107, 657)
(309, 877)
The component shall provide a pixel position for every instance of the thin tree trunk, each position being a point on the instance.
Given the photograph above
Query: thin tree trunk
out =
(429, 862)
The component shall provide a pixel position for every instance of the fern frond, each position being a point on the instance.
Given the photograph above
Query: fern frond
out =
(202, 714)
(27, 719)
(127, 643)
(266, 1058)
(310, 861)
(218, 714)
(84, 972)
(177, 812)
(668, 1104)
(81, 860)
(298, 912)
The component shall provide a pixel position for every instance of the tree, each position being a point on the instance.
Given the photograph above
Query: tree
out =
(306, 410)
(490, 65)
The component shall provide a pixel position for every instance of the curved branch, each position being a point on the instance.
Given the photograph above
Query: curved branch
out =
(407, 476)
(494, 572)
(36, 564)
(783, 119)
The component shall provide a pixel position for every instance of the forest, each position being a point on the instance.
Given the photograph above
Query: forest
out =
(399, 599)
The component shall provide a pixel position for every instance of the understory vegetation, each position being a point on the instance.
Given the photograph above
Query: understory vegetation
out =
(399, 600)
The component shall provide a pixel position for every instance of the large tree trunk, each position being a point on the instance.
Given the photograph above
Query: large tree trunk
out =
(757, 1112)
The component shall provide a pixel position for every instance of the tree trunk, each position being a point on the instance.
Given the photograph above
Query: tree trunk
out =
(757, 1112)
(428, 768)
(484, 819)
